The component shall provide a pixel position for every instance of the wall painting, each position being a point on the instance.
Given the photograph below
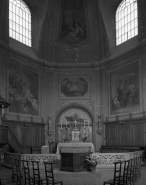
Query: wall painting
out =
(73, 22)
(74, 87)
(23, 90)
(125, 89)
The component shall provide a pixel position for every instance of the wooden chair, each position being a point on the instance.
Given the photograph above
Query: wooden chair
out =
(50, 174)
(131, 178)
(14, 173)
(136, 173)
(0, 172)
(18, 177)
(126, 172)
(118, 176)
(36, 173)
(27, 178)
(138, 168)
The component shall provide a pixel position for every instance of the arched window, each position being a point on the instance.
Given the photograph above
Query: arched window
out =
(126, 21)
(19, 22)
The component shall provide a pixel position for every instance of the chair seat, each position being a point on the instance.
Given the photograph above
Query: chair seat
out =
(109, 182)
(55, 182)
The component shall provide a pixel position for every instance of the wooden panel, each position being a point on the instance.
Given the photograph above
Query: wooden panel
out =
(111, 137)
(126, 133)
(123, 135)
(37, 137)
(26, 136)
(138, 134)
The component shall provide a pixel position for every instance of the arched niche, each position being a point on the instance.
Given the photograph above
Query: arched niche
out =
(74, 117)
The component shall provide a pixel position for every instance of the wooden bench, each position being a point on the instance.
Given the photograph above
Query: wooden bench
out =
(119, 149)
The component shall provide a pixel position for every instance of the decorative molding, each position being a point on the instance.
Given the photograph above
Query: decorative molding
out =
(72, 56)
(89, 104)
(49, 110)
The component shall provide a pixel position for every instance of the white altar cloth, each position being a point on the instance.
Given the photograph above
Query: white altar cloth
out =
(45, 149)
(75, 147)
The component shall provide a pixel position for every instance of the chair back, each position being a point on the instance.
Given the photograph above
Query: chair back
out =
(49, 172)
(126, 171)
(18, 171)
(26, 171)
(132, 171)
(118, 172)
(36, 172)
(137, 168)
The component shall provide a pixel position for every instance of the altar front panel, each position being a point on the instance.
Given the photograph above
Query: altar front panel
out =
(73, 162)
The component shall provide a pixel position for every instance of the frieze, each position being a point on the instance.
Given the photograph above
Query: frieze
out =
(88, 104)
(73, 56)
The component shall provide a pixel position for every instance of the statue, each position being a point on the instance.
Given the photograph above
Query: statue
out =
(49, 122)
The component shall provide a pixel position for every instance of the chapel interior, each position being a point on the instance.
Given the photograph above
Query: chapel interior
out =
(72, 71)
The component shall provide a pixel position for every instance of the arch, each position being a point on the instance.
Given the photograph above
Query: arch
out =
(75, 105)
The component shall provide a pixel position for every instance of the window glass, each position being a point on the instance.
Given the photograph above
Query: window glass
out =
(19, 19)
(126, 21)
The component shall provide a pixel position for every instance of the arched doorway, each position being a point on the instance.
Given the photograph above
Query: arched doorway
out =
(71, 119)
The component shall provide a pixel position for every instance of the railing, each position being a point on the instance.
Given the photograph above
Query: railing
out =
(8, 136)
(106, 160)
(9, 158)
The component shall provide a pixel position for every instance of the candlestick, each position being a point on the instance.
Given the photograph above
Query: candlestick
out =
(88, 124)
(66, 124)
(84, 123)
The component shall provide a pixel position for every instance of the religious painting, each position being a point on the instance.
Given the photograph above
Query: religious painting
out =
(74, 87)
(125, 89)
(23, 90)
(73, 22)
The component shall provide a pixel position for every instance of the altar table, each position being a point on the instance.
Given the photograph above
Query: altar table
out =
(73, 155)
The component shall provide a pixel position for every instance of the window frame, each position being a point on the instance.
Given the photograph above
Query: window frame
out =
(126, 33)
(24, 35)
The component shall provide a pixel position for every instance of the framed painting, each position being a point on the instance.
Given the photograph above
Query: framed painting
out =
(125, 89)
(23, 90)
(73, 28)
(74, 87)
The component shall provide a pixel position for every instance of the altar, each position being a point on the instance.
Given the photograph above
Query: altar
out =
(75, 136)
(75, 147)
(73, 155)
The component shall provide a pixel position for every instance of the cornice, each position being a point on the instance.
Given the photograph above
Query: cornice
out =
(95, 65)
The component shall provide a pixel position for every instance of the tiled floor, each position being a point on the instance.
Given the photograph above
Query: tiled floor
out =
(76, 178)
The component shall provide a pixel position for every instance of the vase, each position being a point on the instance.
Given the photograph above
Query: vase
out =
(93, 169)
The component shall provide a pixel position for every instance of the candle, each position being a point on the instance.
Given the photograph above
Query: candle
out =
(66, 124)
(61, 124)
(75, 123)
(84, 123)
